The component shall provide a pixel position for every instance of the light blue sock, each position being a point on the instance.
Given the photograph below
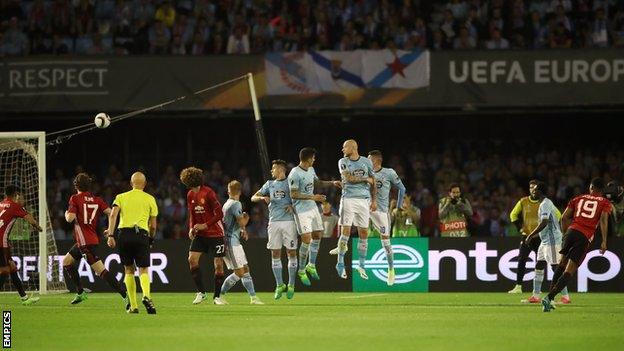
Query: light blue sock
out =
(537, 282)
(304, 251)
(564, 292)
(362, 250)
(292, 270)
(229, 282)
(343, 241)
(389, 253)
(276, 264)
(248, 284)
(314, 249)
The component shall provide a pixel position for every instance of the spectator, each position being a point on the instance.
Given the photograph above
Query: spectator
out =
(238, 43)
(330, 221)
(166, 14)
(600, 27)
(497, 42)
(159, 36)
(14, 41)
(177, 46)
(455, 213)
(198, 46)
(560, 38)
(464, 40)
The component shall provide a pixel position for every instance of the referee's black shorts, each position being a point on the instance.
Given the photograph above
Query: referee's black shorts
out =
(134, 247)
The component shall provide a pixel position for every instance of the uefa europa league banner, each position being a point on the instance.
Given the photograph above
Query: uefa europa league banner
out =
(415, 80)
(421, 264)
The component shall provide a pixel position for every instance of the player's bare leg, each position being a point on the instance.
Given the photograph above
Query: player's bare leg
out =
(304, 252)
(277, 268)
(102, 272)
(71, 273)
(561, 278)
(244, 276)
(362, 251)
(314, 249)
(219, 277)
(193, 260)
(343, 243)
(292, 273)
(385, 242)
(11, 270)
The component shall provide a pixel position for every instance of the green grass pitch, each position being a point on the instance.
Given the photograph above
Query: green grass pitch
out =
(320, 321)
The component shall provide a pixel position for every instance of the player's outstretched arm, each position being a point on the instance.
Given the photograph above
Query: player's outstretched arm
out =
(296, 195)
(258, 197)
(112, 223)
(327, 183)
(566, 219)
(33, 222)
(604, 224)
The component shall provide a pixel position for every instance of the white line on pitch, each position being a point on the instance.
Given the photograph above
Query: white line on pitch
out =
(361, 296)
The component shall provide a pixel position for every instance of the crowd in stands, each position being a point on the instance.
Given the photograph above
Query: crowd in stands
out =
(493, 175)
(201, 27)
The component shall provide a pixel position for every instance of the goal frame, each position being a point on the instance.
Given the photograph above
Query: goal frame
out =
(43, 209)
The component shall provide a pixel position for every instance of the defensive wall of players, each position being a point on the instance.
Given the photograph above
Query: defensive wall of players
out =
(422, 264)
(455, 80)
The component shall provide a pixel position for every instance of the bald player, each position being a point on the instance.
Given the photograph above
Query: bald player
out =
(137, 226)
(357, 202)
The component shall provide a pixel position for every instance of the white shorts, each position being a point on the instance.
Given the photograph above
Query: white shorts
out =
(549, 253)
(309, 221)
(354, 212)
(282, 233)
(381, 222)
(235, 257)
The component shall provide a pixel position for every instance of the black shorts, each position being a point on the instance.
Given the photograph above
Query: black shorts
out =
(5, 256)
(134, 247)
(532, 245)
(88, 252)
(575, 246)
(216, 246)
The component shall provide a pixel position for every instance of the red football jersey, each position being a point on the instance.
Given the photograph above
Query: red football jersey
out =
(204, 208)
(88, 209)
(587, 210)
(9, 212)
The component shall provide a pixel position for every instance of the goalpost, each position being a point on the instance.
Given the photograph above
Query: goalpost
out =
(23, 163)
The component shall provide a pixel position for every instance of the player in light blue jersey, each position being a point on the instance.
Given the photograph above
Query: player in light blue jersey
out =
(282, 229)
(359, 198)
(234, 222)
(302, 181)
(550, 234)
(385, 178)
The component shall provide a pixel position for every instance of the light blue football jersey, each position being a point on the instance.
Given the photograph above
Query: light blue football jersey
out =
(231, 210)
(384, 179)
(302, 180)
(361, 168)
(279, 192)
(551, 235)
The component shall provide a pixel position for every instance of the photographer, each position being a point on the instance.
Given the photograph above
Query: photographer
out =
(454, 212)
(614, 192)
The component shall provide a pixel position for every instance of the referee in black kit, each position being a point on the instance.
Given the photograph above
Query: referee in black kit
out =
(137, 226)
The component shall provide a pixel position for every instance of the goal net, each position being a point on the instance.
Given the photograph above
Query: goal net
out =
(22, 163)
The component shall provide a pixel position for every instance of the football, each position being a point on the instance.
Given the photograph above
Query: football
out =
(102, 120)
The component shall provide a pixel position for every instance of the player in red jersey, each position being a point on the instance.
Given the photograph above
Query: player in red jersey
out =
(84, 212)
(205, 231)
(585, 212)
(10, 210)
